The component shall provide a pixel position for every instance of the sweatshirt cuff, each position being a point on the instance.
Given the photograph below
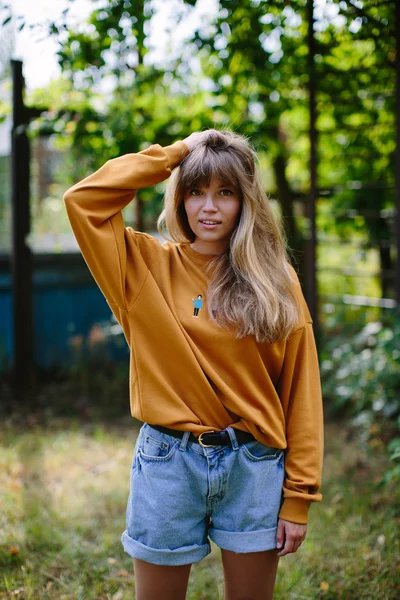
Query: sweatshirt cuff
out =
(176, 153)
(295, 510)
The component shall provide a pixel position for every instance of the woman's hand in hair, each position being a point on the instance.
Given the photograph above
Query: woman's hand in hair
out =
(289, 536)
(197, 138)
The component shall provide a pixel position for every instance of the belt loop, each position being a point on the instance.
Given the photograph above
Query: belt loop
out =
(233, 439)
(183, 444)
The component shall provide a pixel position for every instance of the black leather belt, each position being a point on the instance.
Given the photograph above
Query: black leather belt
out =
(209, 439)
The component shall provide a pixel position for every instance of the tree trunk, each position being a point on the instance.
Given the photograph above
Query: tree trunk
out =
(285, 197)
(296, 243)
(386, 264)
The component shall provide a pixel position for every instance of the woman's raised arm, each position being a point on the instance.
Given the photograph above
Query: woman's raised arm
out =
(94, 208)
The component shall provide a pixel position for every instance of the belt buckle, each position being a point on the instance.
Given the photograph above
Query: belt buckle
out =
(201, 441)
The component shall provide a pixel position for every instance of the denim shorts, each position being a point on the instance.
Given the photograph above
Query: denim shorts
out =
(182, 494)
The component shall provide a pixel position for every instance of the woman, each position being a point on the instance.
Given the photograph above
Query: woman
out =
(231, 445)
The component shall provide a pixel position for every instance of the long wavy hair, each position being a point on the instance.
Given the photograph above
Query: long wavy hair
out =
(250, 285)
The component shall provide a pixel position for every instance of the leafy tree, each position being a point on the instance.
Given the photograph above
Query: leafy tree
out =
(254, 60)
(256, 55)
(143, 104)
(357, 126)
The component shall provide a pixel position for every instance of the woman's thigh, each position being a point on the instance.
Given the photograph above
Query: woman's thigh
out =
(160, 582)
(251, 575)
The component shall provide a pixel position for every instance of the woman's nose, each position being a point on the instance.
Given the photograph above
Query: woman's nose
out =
(209, 203)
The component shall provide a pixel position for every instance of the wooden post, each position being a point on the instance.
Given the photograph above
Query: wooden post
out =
(310, 275)
(21, 259)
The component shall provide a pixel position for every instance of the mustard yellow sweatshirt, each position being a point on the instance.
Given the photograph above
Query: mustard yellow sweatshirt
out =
(186, 372)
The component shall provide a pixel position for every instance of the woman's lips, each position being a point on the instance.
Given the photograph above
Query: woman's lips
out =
(209, 224)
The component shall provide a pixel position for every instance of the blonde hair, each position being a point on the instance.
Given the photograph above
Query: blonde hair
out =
(250, 285)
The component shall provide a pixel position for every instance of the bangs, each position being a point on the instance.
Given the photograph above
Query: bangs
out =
(199, 173)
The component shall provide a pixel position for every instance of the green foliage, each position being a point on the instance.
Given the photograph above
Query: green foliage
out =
(254, 62)
(116, 31)
(256, 56)
(362, 371)
(143, 104)
(361, 378)
(393, 474)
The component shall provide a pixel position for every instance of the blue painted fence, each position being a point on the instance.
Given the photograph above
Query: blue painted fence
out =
(71, 317)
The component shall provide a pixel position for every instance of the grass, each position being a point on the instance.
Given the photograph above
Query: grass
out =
(64, 485)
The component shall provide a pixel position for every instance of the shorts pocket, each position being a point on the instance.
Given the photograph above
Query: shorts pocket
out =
(136, 450)
(134, 459)
(153, 449)
(256, 451)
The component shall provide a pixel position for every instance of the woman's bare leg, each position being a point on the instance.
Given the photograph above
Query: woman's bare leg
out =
(250, 576)
(159, 582)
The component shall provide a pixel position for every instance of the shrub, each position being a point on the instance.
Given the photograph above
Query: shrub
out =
(360, 373)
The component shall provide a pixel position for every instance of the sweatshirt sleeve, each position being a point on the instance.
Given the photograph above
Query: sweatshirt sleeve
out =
(94, 208)
(301, 397)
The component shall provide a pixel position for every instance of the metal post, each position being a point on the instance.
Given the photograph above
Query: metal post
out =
(21, 260)
(397, 229)
(310, 275)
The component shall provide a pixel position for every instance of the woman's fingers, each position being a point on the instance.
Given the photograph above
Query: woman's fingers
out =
(197, 137)
(290, 546)
(280, 534)
(290, 536)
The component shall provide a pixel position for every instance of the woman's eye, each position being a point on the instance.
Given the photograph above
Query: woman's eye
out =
(198, 192)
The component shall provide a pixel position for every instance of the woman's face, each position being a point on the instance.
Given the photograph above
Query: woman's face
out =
(213, 213)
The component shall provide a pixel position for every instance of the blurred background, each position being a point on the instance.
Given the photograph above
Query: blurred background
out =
(315, 85)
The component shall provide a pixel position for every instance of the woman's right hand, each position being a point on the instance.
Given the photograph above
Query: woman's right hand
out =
(197, 137)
